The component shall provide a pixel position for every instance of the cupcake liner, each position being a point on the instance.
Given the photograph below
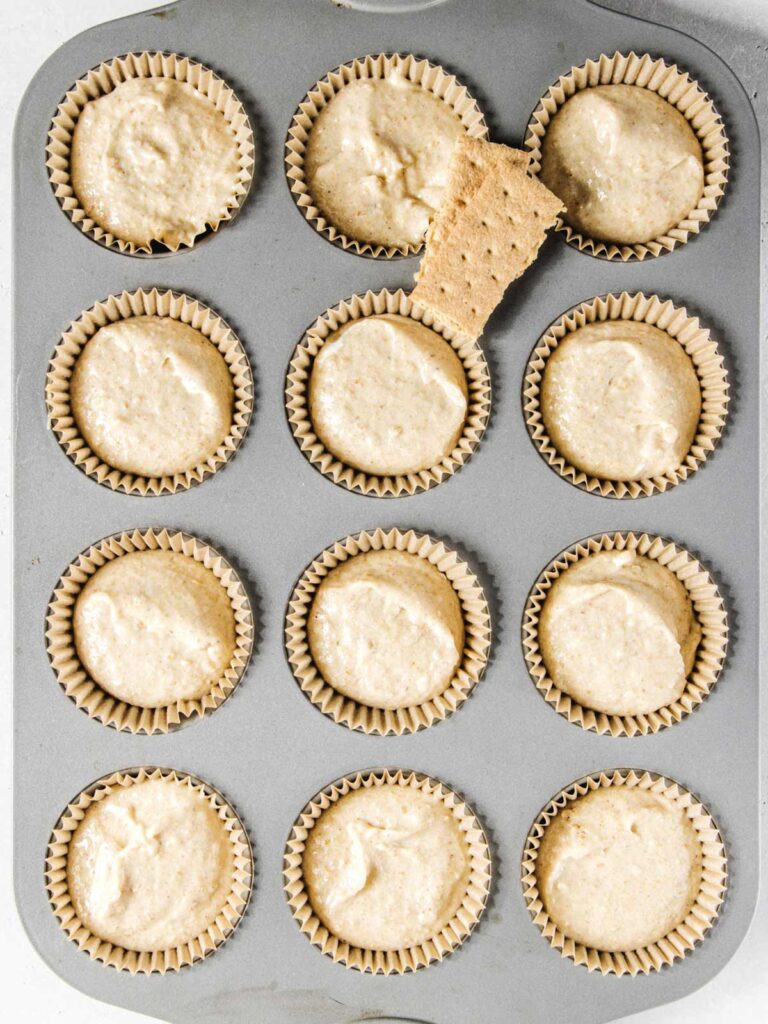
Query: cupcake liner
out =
(71, 673)
(709, 610)
(100, 81)
(122, 959)
(371, 961)
(679, 89)
(298, 385)
(380, 721)
(682, 939)
(707, 362)
(431, 77)
(124, 306)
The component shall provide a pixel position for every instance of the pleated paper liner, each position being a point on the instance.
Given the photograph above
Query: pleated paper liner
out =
(100, 81)
(85, 692)
(682, 939)
(298, 382)
(372, 961)
(707, 362)
(121, 307)
(679, 89)
(384, 721)
(431, 77)
(708, 607)
(162, 961)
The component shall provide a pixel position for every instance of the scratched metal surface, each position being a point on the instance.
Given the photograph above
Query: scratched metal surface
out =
(267, 748)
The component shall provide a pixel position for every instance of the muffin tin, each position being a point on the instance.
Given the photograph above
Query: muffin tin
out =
(269, 512)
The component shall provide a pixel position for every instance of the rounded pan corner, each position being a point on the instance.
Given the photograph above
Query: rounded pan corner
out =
(719, 965)
(611, 12)
(58, 53)
(29, 932)
(56, 967)
(746, 927)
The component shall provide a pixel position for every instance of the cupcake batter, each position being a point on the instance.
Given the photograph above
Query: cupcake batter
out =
(154, 627)
(150, 866)
(619, 868)
(377, 159)
(388, 395)
(386, 868)
(625, 162)
(152, 396)
(154, 161)
(621, 400)
(618, 633)
(386, 629)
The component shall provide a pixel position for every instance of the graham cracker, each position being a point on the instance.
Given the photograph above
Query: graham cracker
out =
(472, 159)
(487, 234)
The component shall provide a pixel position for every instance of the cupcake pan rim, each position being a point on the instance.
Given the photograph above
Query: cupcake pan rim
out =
(272, 512)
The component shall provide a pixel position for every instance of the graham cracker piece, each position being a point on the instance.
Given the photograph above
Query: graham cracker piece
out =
(486, 239)
(471, 160)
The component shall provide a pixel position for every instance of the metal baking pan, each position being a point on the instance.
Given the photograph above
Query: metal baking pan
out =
(269, 274)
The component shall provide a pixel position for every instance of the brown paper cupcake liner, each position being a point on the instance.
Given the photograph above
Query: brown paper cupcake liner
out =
(682, 939)
(384, 721)
(708, 607)
(100, 81)
(707, 362)
(372, 961)
(161, 961)
(85, 692)
(298, 385)
(679, 89)
(431, 77)
(124, 306)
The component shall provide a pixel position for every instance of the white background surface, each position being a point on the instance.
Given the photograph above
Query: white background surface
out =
(31, 30)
